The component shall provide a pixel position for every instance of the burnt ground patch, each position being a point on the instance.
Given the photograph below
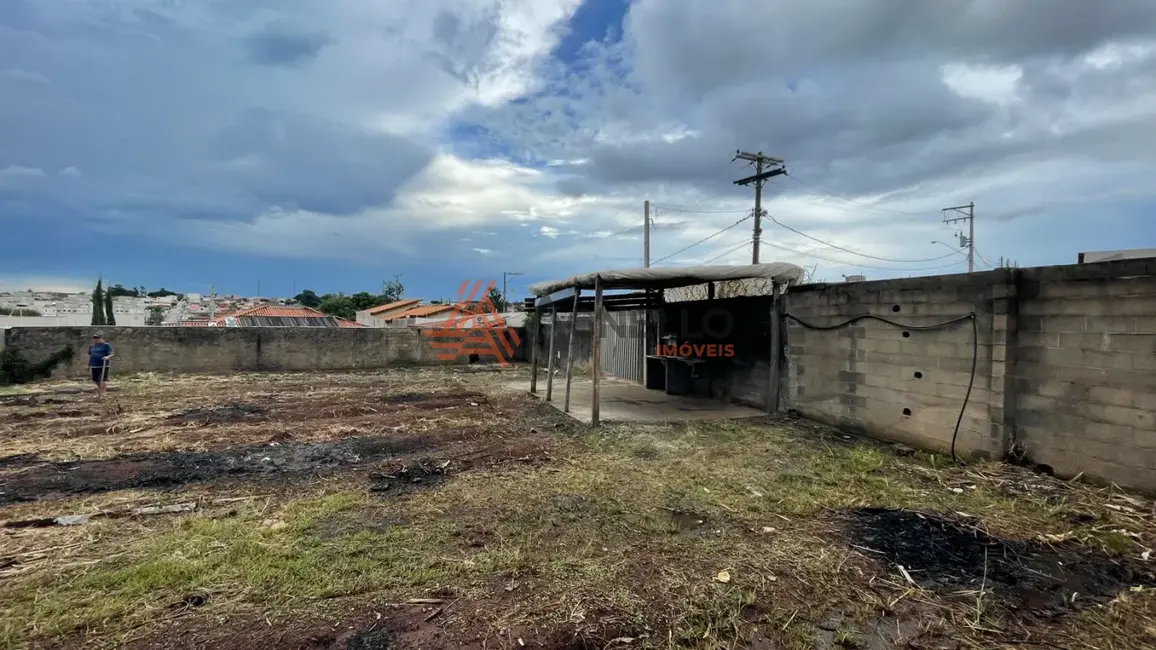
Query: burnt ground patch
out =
(219, 415)
(173, 469)
(1025, 578)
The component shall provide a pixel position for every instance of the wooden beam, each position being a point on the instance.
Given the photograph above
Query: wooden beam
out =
(534, 352)
(597, 351)
(550, 363)
(776, 350)
(570, 353)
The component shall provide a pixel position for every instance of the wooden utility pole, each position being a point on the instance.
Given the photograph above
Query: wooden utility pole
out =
(765, 167)
(968, 215)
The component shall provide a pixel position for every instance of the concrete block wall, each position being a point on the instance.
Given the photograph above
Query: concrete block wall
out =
(228, 349)
(1085, 375)
(1066, 364)
(900, 382)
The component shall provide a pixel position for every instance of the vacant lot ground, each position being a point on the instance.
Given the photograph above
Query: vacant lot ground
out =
(426, 508)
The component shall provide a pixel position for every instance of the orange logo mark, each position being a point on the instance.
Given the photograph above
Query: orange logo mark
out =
(475, 328)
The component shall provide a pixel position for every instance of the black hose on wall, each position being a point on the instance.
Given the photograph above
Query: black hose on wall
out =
(974, 350)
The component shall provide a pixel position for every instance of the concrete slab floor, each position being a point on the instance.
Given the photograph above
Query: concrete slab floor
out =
(625, 401)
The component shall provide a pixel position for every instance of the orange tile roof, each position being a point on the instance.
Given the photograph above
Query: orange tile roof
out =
(397, 304)
(423, 311)
(341, 322)
(277, 311)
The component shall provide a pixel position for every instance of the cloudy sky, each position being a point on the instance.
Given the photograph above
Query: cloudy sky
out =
(334, 143)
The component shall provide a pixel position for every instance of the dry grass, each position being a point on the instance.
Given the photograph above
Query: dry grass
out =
(623, 535)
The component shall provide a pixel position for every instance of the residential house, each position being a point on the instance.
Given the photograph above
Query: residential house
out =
(376, 316)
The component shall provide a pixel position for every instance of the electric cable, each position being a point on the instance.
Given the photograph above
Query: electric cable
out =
(704, 239)
(974, 351)
(671, 208)
(848, 250)
(728, 252)
(861, 266)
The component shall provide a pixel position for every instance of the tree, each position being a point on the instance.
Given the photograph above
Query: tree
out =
(365, 300)
(109, 316)
(98, 305)
(338, 305)
(391, 290)
(162, 293)
(308, 298)
(118, 290)
(156, 316)
(495, 296)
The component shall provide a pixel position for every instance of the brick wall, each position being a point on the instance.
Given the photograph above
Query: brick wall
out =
(229, 349)
(1066, 364)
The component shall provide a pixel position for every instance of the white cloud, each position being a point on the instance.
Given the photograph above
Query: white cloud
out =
(482, 251)
(998, 85)
(16, 171)
(70, 171)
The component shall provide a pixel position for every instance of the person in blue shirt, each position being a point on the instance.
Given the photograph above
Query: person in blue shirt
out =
(98, 355)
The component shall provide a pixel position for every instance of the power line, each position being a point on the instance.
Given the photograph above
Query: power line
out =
(848, 250)
(704, 239)
(699, 211)
(861, 266)
(742, 244)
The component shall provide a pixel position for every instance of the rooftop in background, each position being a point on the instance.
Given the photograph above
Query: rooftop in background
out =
(393, 306)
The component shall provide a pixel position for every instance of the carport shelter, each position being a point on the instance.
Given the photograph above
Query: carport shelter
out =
(648, 285)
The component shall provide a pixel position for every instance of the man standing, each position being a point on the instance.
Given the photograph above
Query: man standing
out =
(98, 355)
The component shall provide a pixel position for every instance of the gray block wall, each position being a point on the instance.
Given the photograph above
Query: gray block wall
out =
(229, 349)
(1066, 364)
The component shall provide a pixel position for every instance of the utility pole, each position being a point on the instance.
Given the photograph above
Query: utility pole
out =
(967, 213)
(507, 274)
(646, 234)
(773, 167)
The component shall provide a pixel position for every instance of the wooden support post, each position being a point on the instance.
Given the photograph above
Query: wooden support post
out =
(596, 353)
(553, 342)
(776, 350)
(534, 351)
(570, 351)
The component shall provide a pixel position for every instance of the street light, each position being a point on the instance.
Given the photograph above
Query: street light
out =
(953, 249)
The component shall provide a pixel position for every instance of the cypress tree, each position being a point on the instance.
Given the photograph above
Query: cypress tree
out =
(98, 305)
(109, 318)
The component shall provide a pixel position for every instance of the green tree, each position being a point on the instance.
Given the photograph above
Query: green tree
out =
(308, 298)
(495, 296)
(338, 305)
(118, 290)
(98, 304)
(365, 300)
(156, 316)
(163, 292)
(109, 316)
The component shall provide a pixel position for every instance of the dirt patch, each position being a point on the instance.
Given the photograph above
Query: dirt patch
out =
(1024, 577)
(219, 415)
